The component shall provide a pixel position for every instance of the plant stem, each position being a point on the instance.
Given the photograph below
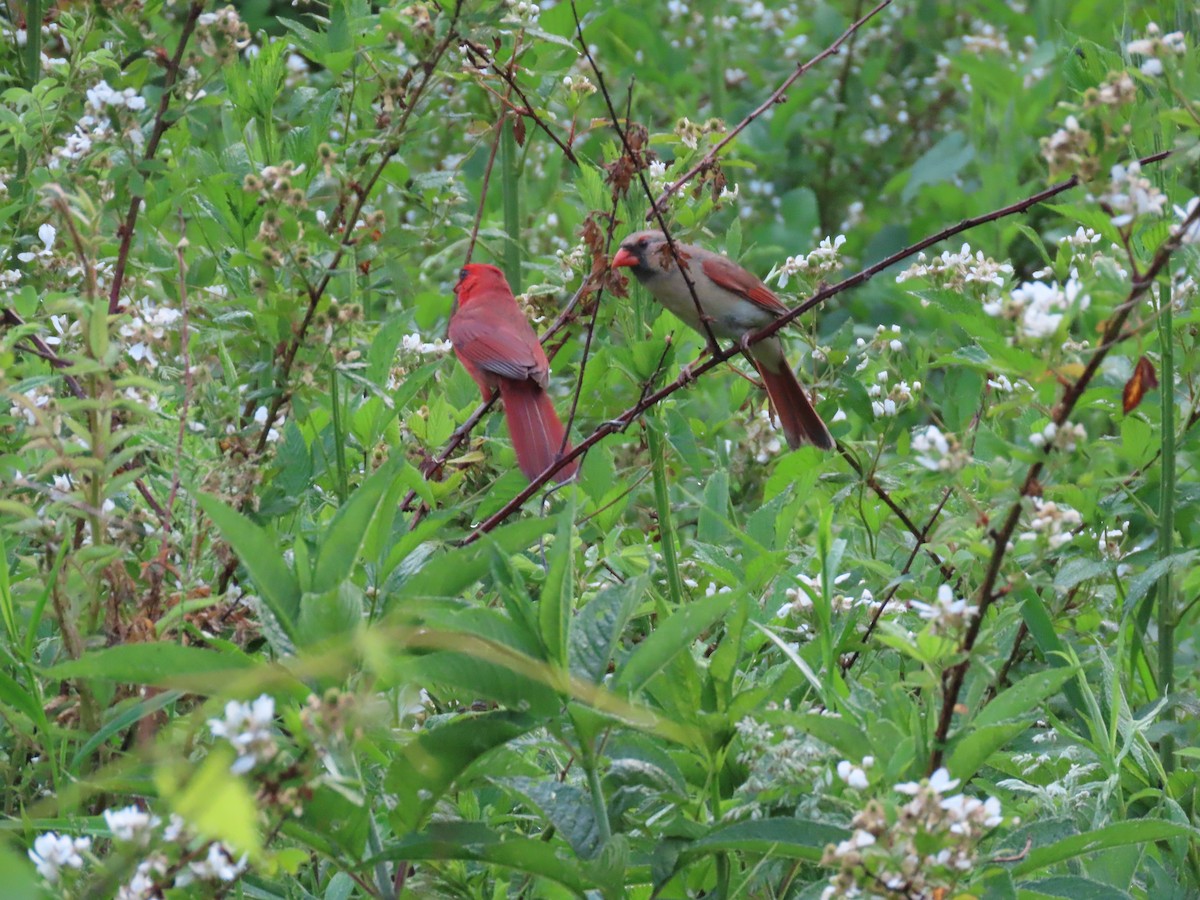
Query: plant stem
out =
(1166, 518)
(662, 502)
(599, 810)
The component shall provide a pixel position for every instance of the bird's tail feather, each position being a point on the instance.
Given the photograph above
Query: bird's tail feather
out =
(536, 431)
(801, 423)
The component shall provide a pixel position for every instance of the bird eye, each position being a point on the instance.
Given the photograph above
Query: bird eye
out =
(462, 273)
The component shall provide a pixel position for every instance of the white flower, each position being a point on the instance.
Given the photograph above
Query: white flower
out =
(131, 824)
(51, 853)
(853, 775)
(1131, 194)
(218, 865)
(947, 614)
(1191, 234)
(247, 726)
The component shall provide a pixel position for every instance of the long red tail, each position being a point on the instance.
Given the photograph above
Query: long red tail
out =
(801, 424)
(535, 429)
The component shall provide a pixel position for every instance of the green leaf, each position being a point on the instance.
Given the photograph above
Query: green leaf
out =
(970, 752)
(1135, 831)
(213, 802)
(940, 163)
(329, 615)
(596, 629)
(782, 837)
(259, 553)
(449, 574)
(155, 664)
(558, 592)
(426, 767)
(1073, 887)
(670, 638)
(475, 842)
(1021, 700)
(566, 807)
(344, 536)
(17, 876)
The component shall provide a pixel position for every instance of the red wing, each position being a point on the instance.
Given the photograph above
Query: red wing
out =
(498, 345)
(734, 278)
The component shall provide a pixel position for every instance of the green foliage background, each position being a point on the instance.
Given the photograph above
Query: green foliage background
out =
(226, 278)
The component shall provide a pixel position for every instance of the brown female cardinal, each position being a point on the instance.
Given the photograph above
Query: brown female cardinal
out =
(496, 345)
(735, 303)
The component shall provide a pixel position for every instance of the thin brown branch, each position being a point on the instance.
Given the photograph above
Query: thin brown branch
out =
(919, 535)
(777, 96)
(987, 594)
(509, 76)
(698, 368)
(160, 127)
(483, 189)
(634, 157)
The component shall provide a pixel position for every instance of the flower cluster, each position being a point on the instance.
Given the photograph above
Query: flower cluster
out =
(1056, 522)
(1156, 47)
(1130, 195)
(922, 848)
(148, 328)
(887, 399)
(956, 270)
(690, 133)
(523, 13)
(947, 615)
(826, 258)
(414, 343)
(1039, 308)
(1067, 438)
(1070, 149)
(61, 860)
(248, 727)
(222, 34)
(937, 451)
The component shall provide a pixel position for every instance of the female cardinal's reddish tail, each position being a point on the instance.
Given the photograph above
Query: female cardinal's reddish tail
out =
(496, 345)
(800, 422)
(734, 303)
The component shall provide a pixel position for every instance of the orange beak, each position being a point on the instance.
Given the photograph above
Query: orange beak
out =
(624, 258)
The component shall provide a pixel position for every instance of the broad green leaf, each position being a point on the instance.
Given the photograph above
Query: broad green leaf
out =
(566, 807)
(449, 574)
(970, 752)
(426, 767)
(150, 663)
(475, 842)
(329, 615)
(596, 629)
(259, 553)
(1073, 887)
(213, 802)
(557, 597)
(781, 837)
(17, 876)
(1133, 831)
(344, 536)
(1022, 699)
(671, 637)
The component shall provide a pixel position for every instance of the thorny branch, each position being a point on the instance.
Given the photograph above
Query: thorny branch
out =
(700, 367)
(777, 96)
(987, 593)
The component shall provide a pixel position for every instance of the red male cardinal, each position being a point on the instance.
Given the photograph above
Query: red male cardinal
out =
(496, 345)
(735, 303)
